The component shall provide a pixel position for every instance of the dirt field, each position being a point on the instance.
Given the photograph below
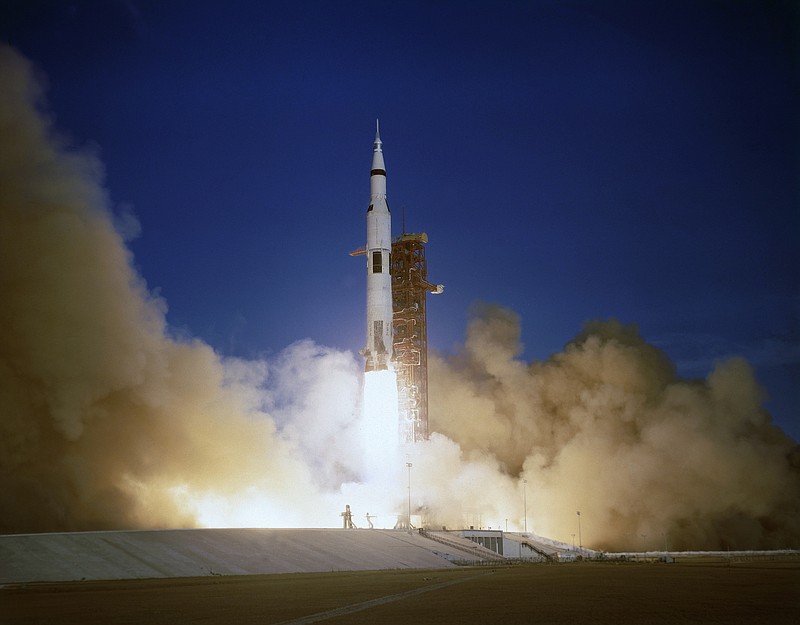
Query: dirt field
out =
(748, 592)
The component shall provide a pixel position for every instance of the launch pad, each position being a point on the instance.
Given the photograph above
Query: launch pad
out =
(143, 554)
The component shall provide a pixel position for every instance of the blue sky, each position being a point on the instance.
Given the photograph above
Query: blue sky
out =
(569, 160)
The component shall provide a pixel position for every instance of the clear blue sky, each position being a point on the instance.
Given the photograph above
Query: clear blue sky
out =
(568, 160)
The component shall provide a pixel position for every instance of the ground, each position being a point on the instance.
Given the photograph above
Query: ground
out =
(696, 591)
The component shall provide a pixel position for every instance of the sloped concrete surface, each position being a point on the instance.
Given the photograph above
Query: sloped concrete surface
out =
(200, 552)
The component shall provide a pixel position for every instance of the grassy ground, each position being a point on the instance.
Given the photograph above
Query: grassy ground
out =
(750, 592)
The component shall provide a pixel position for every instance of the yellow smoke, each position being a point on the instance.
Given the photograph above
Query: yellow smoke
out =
(105, 421)
(607, 428)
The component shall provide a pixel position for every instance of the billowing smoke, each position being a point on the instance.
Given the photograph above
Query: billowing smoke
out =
(107, 421)
(608, 429)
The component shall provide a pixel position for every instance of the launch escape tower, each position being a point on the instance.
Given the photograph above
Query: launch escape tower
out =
(410, 285)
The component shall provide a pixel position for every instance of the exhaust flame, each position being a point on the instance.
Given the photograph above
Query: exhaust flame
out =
(106, 422)
(380, 425)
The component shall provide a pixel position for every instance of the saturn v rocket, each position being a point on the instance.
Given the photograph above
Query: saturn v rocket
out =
(378, 350)
(396, 277)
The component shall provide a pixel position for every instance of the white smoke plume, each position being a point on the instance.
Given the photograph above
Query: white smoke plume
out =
(106, 421)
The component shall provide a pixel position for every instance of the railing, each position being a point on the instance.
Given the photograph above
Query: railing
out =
(481, 552)
(547, 556)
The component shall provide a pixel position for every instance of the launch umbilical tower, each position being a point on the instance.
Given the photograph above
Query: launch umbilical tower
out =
(410, 286)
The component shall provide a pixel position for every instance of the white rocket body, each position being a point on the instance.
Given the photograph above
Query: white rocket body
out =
(378, 351)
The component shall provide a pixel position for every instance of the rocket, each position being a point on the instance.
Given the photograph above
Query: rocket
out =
(378, 351)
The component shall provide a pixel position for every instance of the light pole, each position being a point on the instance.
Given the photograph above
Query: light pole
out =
(408, 464)
(580, 538)
(525, 499)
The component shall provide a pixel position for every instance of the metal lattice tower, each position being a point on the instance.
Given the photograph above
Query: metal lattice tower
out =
(409, 271)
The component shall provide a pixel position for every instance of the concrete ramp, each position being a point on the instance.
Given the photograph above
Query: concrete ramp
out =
(201, 552)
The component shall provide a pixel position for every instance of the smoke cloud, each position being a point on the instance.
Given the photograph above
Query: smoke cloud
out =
(107, 421)
(608, 429)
